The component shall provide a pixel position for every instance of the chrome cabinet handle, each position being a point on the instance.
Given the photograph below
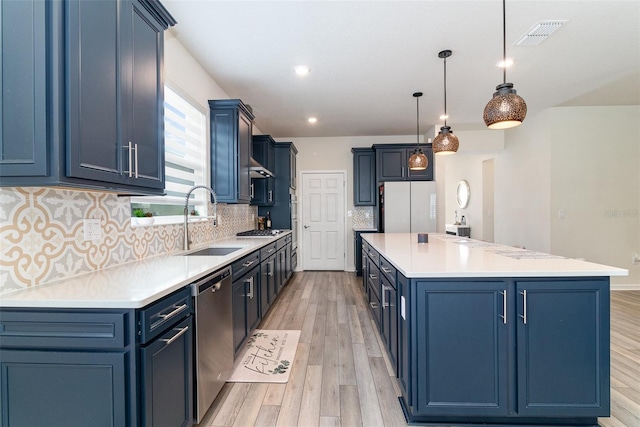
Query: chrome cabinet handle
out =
(270, 270)
(373, 276)
(130, 160)
(374, 305)
(271, 195)
(403, 171)
(270, 250)
(173, 313)
(136, 158)
(504, 306)
(250, 294)
(181, 332)
(524, 306)
(247, 264)
(384, 303)
(386, 270)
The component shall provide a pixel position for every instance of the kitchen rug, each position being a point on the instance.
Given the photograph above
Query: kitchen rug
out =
(267, 357)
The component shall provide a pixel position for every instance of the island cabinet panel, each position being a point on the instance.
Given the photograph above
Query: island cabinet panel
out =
(563, 353)
(461, 346)
(404, 344)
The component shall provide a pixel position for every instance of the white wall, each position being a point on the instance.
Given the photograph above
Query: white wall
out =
(596, 181)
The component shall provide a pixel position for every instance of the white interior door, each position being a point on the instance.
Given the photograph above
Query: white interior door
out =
(323, 220)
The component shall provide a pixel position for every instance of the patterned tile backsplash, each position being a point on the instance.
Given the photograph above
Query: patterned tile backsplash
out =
(42, 234)
(362, 217)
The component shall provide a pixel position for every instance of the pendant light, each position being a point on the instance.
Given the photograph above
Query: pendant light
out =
(418, 160)
(445, 142)
(506, 109)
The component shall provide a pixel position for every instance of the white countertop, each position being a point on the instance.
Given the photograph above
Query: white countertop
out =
(449, 256)
(133, 285)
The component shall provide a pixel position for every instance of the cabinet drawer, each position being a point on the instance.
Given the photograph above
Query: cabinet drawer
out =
(64, 329)
(157, 317)
(389, 271)
(281, 242)
(374, 255)
(267, 251)
(289, 239)
(243, 265)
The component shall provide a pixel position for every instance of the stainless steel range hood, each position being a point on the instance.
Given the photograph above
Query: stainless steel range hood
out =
(256, 170)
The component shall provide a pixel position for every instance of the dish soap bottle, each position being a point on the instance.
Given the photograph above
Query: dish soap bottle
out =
(268, 220)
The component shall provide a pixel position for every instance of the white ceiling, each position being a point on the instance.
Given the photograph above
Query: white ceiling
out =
(368, 57)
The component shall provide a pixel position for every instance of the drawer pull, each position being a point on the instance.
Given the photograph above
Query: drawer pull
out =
(247, 264)
(372, 276)
(181, 332)
(384, 299)
(173, 313)
(524, 306)
(504, 306)
(386, 270)
(374, 305)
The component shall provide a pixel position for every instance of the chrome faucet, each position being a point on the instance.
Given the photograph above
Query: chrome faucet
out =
(186, 212)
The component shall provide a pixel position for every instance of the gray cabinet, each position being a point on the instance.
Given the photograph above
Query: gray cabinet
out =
(231, 145)
(246, 298)
(392, 163)
(364, 177)
(103, 91)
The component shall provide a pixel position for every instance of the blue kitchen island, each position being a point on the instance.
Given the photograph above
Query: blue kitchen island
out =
(485, 334)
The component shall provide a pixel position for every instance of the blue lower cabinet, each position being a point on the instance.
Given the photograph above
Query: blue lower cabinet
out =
(404, 344)
(563, 351)
(461, 348)
(54, 388)
(246, 306)
(167, 378)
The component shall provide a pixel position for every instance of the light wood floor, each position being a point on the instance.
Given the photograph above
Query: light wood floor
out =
(341, 375)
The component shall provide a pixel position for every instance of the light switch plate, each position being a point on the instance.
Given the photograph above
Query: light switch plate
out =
(92, 230)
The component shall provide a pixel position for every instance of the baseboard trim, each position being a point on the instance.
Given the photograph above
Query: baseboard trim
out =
(626, 287)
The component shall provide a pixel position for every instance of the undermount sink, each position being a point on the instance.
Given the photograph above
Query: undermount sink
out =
(215, 251)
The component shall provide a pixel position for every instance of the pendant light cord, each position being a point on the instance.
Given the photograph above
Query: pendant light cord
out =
(504, 42)
(445, 90)
(418, 121)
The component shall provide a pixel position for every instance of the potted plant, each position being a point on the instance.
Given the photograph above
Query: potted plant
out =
(143, 217)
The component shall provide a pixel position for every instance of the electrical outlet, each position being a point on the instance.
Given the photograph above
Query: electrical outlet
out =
(92, 230)
(349, 213)
(561, 214)
(635, 259)
(366, 215)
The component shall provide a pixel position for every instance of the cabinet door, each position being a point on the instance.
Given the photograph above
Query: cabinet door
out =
(252, 292)
(244, 152)
(293, 169)
(239, 315)
(143, 90)
(404, 344)
(54, 388)
(364, 177)
(563, 347)
(93, 92)
(267, 276)
(23, 85)
(390, 320)
(461, 348)
(391, 164)
(373, 292)
(167, 378)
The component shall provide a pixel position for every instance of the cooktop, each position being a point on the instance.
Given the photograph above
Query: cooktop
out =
(258, 233)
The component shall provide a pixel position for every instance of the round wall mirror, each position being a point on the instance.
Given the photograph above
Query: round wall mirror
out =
(463, 193)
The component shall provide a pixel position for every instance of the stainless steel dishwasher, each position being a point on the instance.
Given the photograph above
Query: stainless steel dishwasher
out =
(213, 351)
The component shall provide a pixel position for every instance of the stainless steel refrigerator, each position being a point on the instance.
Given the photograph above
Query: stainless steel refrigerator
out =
(408, 207)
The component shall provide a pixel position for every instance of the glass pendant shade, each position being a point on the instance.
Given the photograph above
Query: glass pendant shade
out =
(506, 109)
(446, 142)
(418, 160)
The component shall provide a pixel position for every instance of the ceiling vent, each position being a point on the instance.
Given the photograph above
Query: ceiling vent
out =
(539, 32)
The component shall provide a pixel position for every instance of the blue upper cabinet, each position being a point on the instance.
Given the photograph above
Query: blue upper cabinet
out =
(231, 146)
(364, 177)
(104, 98)
(392, 163)
(265, 154)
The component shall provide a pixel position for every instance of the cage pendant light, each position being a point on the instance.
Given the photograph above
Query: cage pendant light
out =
(418, 160)
(506, 109)
(445, 142)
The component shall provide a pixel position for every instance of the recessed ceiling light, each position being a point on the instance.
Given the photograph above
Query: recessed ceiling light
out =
(302, 70)
(312, 120)
(443, 117)
(506, 63)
